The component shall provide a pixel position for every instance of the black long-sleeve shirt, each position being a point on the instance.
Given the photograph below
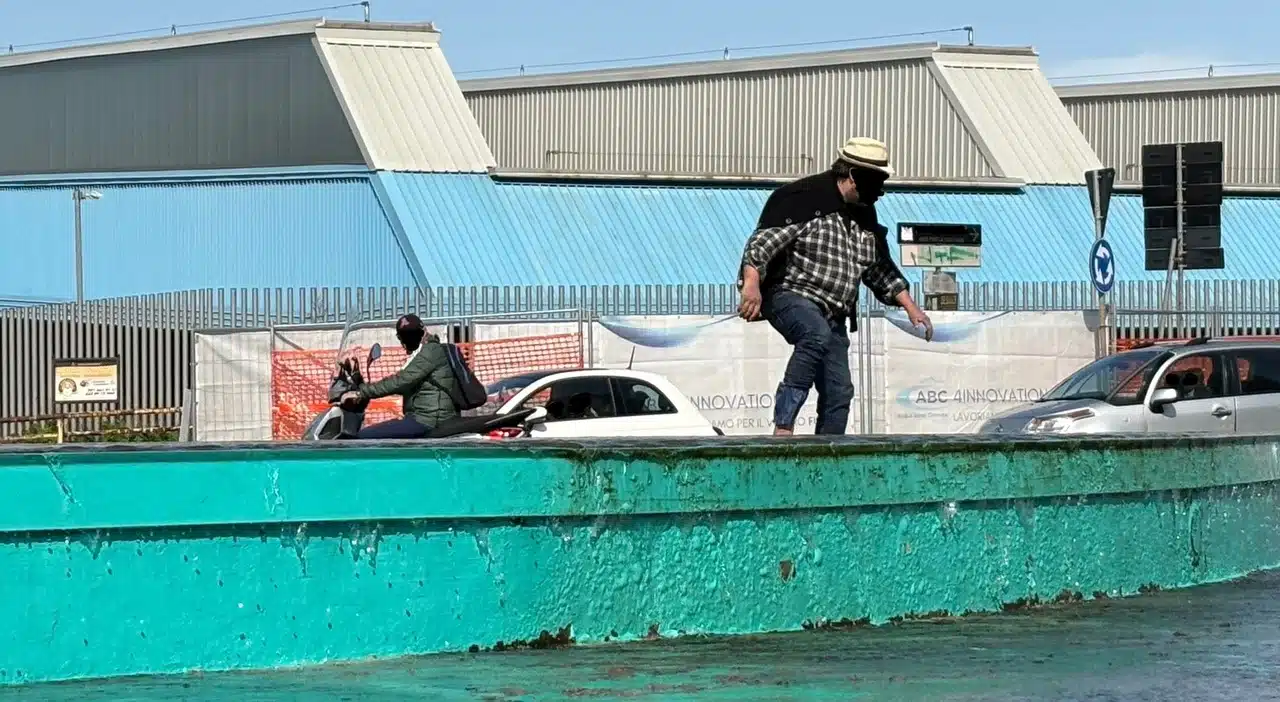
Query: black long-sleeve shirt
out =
(827, 254)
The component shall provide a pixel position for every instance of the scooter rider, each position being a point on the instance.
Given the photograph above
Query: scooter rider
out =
(425, 383)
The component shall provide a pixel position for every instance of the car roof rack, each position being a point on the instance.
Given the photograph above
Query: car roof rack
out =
(1199, 341)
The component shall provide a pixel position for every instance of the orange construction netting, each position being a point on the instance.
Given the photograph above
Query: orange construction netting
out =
(300, 379)
(1126, 344)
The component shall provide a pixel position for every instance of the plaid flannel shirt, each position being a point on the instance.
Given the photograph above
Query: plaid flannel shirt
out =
(830, 257)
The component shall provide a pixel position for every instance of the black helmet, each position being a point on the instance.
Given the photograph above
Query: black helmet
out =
(409, 331)
(409, 322)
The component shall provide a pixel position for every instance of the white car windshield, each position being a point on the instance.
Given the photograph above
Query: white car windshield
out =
(1119, 379)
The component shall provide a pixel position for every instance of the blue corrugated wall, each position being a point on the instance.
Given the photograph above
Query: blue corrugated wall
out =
(472, 230)
(165, 233)
(348, 227)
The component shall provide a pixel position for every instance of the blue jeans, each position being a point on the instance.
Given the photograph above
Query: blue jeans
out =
(403, 428)
(820, 359)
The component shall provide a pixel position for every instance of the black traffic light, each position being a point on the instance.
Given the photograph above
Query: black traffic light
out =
(1199, 168)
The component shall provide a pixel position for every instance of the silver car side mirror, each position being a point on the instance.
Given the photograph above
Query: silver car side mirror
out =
(1162, 397)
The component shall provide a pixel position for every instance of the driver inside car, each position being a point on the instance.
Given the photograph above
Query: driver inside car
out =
(425, 384)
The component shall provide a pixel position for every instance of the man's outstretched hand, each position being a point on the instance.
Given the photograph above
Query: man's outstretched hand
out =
(918, 318)
(915, 315)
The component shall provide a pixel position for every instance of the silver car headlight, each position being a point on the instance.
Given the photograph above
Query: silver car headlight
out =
(1058, 423)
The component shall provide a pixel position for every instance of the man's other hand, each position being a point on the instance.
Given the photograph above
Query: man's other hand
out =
(749, 307)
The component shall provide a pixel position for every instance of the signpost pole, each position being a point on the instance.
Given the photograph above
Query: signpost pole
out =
(1180, 244)
(1102, 338)
(1101, 263)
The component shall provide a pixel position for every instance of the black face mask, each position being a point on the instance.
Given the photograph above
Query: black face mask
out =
(410, 339)
(870, 186)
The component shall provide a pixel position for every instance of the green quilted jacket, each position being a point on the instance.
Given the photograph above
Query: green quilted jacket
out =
(426, 401)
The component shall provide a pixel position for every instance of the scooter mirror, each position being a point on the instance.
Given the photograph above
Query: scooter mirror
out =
(375, 353)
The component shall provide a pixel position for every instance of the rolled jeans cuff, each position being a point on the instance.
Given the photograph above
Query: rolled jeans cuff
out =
(786, 406)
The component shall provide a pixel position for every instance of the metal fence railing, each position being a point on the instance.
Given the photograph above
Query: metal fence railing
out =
(1137, 326)
(153, 335)
(263, 307)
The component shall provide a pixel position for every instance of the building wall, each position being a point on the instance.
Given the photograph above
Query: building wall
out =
(198, 232)
(350, 228)
(779, 122)
(252, 104)
(473, 230)
(1247, 121)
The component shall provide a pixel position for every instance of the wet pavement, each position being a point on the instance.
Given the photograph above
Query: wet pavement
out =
(1219, 642)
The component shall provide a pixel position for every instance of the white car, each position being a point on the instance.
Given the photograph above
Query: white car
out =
(601, 403)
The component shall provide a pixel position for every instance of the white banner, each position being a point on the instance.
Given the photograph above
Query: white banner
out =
(729, 368)
(233, 386)
(978, 364)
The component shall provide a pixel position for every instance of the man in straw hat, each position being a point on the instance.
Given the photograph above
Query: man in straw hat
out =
(816, 242)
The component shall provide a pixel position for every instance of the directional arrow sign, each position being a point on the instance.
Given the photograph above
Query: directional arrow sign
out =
(1102, 267)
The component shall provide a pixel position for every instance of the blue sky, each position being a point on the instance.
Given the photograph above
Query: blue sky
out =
(1084, 37)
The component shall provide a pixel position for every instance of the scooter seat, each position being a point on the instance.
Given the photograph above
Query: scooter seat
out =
(480, 424)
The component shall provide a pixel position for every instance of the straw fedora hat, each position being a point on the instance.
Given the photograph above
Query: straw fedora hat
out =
(865, 152)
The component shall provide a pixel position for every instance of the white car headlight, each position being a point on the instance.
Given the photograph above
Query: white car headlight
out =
(1057, 423)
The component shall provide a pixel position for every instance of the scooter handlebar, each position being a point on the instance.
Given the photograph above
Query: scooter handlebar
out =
(352, 404)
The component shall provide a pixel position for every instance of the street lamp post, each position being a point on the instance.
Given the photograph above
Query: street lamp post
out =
(79, 195)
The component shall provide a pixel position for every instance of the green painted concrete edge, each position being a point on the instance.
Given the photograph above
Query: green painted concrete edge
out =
(623, 580)
(430, 547)
(81, 488)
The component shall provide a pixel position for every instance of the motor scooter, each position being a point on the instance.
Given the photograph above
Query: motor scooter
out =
(343, 421)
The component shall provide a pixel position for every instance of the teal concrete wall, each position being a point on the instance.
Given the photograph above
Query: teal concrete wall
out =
(148, 560)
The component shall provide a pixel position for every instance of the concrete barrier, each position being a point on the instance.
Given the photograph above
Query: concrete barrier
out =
(156, 559)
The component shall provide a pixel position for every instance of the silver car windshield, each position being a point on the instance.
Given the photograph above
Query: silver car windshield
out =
(1119, 379)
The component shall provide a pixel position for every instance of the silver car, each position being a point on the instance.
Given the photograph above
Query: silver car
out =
(1220, 387)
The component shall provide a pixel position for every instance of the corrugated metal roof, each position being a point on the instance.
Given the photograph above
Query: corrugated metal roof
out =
(157, 237)
(1214, 84)
(718, 67)
(277, 95)
(1248, 235)
(404, 104)
(1016, 113)
(947, 113)
(784, 123)
(472, 230)
(260, 104)
(1044, 233)
(209, 37)
(1246, 120)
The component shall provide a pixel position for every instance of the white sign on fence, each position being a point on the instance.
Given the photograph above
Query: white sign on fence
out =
(978, 364)
(86, 380)
(729, 368)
